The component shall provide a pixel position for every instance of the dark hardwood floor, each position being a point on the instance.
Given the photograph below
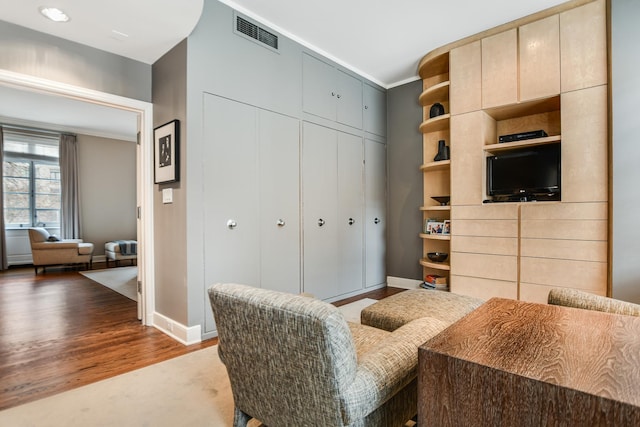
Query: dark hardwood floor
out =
(60, 330)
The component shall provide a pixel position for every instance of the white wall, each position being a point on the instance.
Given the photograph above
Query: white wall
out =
(107, 175)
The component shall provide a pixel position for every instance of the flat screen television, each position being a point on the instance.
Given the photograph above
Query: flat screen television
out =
(531, 173)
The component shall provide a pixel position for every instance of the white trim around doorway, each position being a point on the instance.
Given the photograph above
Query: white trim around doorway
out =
(145, 114)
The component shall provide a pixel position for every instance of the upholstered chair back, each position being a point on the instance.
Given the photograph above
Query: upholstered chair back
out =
(288, 356)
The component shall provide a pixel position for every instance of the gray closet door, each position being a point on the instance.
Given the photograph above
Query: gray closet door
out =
(319, 201)
(349, 100)
(350, 213)
(318, 87)
(230, 176)
(375, 208)
(279, 141)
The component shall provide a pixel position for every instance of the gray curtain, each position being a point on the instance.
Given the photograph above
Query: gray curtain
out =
(3, 235)
(70, 212)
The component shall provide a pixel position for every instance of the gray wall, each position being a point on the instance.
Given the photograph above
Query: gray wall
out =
(405, 194)
(625, 58)
(41, 55)
(170, 221)
(107, 175)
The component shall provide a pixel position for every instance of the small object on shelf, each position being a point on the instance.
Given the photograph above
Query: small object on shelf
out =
(435, 279)
(522, 136)
(429, 286)
(436, 110)
(437, 256)
(443, 152)
(443, 200)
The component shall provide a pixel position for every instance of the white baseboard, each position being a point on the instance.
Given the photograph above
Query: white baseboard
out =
(399, 282)
(186, 335)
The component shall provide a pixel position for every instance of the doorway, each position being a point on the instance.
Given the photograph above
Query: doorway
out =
(144, 170)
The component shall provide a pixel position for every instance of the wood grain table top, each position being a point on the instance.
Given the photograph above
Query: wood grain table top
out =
(588, 351)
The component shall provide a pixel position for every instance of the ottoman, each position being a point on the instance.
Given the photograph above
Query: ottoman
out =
(392, 312)
(118, 250)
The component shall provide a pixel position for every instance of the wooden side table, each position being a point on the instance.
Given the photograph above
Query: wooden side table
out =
(511, 363)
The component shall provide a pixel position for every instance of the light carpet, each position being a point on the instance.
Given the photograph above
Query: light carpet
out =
(190, 390)
(123, 280)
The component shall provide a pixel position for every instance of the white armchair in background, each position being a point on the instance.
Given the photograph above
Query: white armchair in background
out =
(67, 251)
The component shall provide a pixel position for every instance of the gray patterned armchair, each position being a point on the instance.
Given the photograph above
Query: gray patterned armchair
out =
(295, 361)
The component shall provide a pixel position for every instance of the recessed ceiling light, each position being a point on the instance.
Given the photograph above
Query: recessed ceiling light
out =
(54, 14)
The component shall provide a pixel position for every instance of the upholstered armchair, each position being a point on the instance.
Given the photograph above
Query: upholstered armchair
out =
(294, 360)
(579, 299)
(46, 251)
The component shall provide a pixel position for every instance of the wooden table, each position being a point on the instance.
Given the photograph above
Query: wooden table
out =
(511, 363)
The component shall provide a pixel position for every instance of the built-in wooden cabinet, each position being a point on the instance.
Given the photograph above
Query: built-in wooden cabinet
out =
(500, 69)
(436, 173)
(546, 73)
(539, 59)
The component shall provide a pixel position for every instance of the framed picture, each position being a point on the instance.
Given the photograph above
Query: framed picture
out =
(166, 139)
(446, 226)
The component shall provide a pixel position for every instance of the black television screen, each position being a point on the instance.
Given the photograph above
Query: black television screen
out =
(525, 172)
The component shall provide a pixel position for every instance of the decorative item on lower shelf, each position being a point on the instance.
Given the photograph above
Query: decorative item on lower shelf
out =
(443, 200)
(426, 285)
(443, 152)
(437, 256)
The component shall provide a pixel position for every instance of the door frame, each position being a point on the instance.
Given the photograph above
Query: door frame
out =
(144, 167)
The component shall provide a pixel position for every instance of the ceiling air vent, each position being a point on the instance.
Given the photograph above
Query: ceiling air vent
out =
(257, 33)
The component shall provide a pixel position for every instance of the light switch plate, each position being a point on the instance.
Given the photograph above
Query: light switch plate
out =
(167, 195)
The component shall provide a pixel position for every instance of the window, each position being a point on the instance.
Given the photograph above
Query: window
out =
(31, 177)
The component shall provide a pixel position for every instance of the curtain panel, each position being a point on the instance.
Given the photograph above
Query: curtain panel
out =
(70, 209)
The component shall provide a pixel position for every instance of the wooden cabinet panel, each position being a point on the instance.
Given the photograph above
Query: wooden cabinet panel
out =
(500, 69)
(590, 276)
(486, 228)
(585, 145)
(564, 229)
(579, 250)
(553, 211)
(539, 59)
(583, 36)
(483, 288)
(485, 266)
(465, 73)
(487, 245)
(467, 159)
(490, 211)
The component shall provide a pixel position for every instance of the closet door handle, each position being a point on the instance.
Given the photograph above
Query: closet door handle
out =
(352, 221)
(280, 223)
(232, 224)
(320, 222)
(376, 221)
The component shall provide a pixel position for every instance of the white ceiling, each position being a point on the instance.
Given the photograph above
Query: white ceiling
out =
(379, 39)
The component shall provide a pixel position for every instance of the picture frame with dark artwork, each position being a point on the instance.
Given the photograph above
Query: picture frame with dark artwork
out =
(166, 143)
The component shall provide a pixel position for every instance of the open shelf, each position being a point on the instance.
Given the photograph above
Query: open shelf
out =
(493, 148)
(436, 93)
(435, 208)
(435, 124)
(435, 236)
(527, 108)
(435, 166)
(426, 262)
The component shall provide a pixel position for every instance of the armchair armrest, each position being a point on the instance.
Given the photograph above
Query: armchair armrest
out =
(585, 300)
(388, 367)
(55, 245)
